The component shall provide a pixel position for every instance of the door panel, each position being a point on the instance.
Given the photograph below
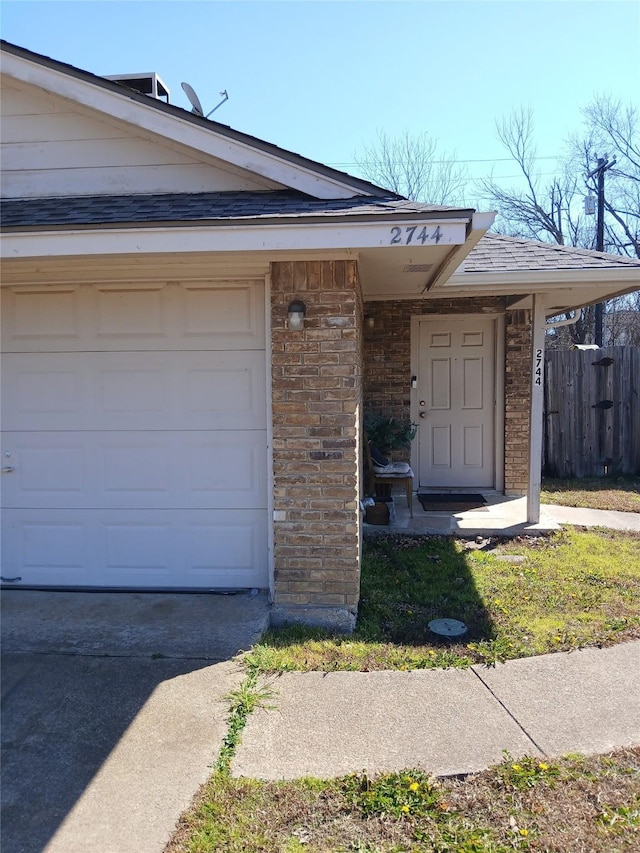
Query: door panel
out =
(456, 364)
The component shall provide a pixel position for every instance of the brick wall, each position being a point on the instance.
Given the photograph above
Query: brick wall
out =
(317, 395)
(387, 371)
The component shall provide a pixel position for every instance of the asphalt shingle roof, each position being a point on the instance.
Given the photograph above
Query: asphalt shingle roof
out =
(497, 253)
(199, 207)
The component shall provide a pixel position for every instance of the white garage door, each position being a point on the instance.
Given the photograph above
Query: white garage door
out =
(134, 436)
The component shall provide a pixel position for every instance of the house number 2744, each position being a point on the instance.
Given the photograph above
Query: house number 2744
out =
(414, 234)
(537, 376)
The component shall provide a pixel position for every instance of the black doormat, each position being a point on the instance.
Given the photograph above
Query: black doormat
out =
(450, 502)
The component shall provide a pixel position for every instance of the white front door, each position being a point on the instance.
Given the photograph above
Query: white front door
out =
(455, 403)
(134, 448)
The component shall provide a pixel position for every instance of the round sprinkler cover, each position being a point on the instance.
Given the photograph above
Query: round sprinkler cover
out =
(447, 627)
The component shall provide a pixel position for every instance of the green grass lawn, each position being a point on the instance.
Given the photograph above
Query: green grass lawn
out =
(617, 493)
(569, 806)
(518, 598)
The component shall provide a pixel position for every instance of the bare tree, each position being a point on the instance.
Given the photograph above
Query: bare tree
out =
(412, 166)
(551, 210)
(613, 132)
(542, 210)
(622, 321)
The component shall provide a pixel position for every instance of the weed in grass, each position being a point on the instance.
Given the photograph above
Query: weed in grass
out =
(417, 800)
(526, 772)
(393, 794)
(243, 701)
(618, 819)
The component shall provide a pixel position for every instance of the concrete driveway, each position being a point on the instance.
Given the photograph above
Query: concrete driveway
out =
(113, 712)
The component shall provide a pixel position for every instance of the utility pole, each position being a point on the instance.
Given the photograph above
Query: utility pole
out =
(603, 166)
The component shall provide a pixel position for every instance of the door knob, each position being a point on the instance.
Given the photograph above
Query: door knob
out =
(8, 469)
(423, 414)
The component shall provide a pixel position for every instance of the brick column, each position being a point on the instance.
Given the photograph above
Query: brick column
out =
(517, 394)
(316, 391)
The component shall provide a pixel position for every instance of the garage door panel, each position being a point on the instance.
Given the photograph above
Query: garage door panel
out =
(136, 470)
(232, 314)
(137, 549)
(135, 391)
(47, 468)
(124, 316)
(135, 435)
(124, 312)
(42, 391)
(230, 548)
(33, 315)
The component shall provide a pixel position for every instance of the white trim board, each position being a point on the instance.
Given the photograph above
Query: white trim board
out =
(219, 238)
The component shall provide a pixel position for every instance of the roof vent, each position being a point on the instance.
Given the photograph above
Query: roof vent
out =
(147, 84)
(417, 267)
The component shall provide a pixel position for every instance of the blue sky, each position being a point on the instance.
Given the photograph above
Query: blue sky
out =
(320, 78)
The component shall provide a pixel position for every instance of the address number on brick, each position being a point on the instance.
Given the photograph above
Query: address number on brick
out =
(422, 234)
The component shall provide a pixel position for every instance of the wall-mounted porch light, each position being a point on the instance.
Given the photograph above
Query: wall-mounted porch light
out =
(296, 313)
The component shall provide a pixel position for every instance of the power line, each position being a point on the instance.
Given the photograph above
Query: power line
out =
(443, 162)
(497, 177)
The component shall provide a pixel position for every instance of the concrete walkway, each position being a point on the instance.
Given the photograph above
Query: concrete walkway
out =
(445, 721)
(592, 517)
(113, 713)
(501, 516)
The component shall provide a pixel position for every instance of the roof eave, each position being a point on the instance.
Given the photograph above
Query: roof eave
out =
(546, 277)
(301, 219)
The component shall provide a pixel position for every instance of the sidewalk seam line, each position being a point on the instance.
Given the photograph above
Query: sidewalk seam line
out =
(514, 718)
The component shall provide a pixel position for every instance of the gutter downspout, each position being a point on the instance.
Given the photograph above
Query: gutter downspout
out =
(577, 313)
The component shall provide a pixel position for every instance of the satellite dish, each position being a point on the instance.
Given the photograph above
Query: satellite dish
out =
(195, 100)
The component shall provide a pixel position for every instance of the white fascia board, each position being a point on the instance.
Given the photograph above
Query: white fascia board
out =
(153, 120)
(223, 238)
(540, 280)
(480, 224)
(575, 302)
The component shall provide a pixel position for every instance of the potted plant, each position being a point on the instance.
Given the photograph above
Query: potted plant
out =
(386, 434)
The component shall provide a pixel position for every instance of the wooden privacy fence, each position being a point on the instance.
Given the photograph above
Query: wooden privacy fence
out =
(592, 412)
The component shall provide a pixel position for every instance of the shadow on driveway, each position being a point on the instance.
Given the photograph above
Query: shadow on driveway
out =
(112, 712)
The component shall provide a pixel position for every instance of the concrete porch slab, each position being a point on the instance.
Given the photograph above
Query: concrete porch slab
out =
(502, 516)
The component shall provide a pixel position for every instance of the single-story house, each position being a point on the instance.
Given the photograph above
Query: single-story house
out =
(194, 322)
